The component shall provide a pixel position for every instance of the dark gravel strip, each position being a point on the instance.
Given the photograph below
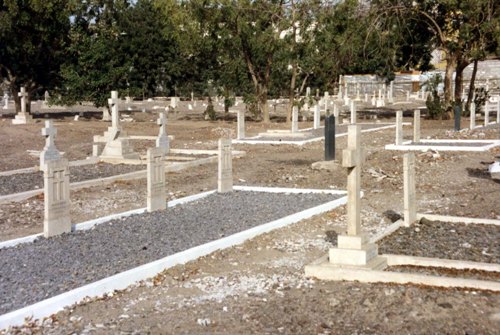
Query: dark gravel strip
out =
(433, 271)
(33, 272)
(23, 182)
(458, 241)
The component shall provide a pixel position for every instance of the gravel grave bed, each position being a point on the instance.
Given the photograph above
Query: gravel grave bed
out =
(23, 182)
(457, 241)
(36, 271)
(315, 133)
(437, 271)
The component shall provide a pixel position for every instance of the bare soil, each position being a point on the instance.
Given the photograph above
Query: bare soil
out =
(260, 287)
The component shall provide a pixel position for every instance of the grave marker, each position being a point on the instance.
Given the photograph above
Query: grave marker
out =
(23, 117)
(330, 123)
(317, 117)
(410, 210)
(5, 101)
(295, 119)
(56, 198)
(399, 127)
(162, 141)
(241, 124)
(49, 152)
(472, 115)
(353, 112)
(225, 171)
(486, 113)
(416, 126)
(156, 180)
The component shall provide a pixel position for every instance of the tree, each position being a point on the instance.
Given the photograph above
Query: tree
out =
(33, 37)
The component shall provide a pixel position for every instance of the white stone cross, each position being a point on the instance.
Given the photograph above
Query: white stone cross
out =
(49, 152)
(162, 141)
(317, 117)
(399, 127)
(241, 124)
(352, 159)
(115, 115)
(50, 133)
(5, 101)
(23, 94)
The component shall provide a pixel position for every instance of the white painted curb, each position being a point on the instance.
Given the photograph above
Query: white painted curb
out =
(122, 280)
(430, 145)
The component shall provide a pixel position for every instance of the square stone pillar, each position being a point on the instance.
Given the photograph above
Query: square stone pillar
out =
(486, 113)
(416, 126)
(410, 206)
(225, 171)
(317, 117)
(353, 112)
(399, 127)
(156, 180)
(472, 115)
(241, 125)
(56, 218)
(295, 119)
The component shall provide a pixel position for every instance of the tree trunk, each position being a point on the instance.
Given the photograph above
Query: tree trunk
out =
(459, 79)
(472, 84)
(451, 64)
(263, 104)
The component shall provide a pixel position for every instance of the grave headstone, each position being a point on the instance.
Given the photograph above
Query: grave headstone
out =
(241, 124)
(486, 113)
(410, 211)
(354, 248)
(49, 152)
(23, 117)
(5, 101)
(156, 180)
(225, 171)
(173, 102)
(399, 127)
(472, 115)
(416, 126)
(295, 119)
(336, 113)
(353, 112)
(330, 138)
(56, 219)
(162, 142)
(317, 116)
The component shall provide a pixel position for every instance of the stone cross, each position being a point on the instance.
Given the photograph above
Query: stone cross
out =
(326, 99)
(399, 127)
(173, 102)
(5, 101)
(410, 212)
(416, 126)
(23, 94)
(295, 119)
(49, 152)
(241, 124)
(336, 113)
(156, 180)
(56, 198)
(352, 159)
(472, 115)
(225, 171)
(162, 141)
(115, 114)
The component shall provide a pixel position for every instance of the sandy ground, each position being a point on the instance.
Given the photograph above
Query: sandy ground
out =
(260, 287)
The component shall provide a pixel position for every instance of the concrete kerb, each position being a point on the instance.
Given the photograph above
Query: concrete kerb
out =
(255, 139)
(89, 160)
(170, 167)
(433, 145)
(457, 219)
(394, 260)
(122, 280)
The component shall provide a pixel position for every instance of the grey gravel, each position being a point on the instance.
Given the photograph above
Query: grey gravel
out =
(47, 267)
(23, 182)
(458, 241)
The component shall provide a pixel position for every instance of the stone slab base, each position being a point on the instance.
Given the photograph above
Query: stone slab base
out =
(327, 165)
(23, 119)
(286, 133)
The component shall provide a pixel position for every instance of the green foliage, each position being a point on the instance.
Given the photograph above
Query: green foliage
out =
(481, 96)
(210, 111)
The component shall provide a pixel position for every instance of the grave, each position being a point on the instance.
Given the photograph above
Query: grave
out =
(23, 117)
(241, 124)
(156, 180)
(225, 170)
(416, 126)
(353, 112)
(317, 117)
(49, 152)
(5, 101)
(56, 198)
(163, 141)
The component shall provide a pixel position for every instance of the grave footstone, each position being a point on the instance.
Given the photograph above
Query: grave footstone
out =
(156, 180)
(241, 124)
(354, 248)
(410, 211)
(162, 141)
(399, 127)
(295, 119)
(23, 117)
(330, 138)
(49, 152)
(472, 115)
(56, 198)
(416, 126)
(225, 171)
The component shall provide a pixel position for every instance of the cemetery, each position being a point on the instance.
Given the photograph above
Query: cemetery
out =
(197, 172)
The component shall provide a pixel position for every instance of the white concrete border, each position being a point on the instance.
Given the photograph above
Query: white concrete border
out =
(122, 280)
(253, 140)
(432, 145)
(394, 260)
(457, 219)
